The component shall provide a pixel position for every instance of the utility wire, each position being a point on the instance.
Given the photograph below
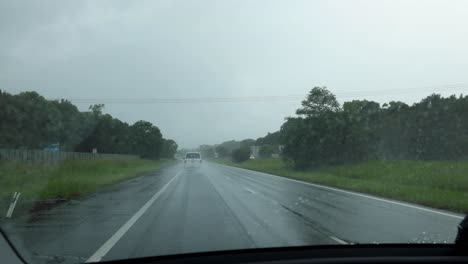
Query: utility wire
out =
(271, 98)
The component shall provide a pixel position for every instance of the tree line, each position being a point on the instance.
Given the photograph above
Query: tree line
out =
(239, 151)
(324, 132)
(29, 121)
(327, 133)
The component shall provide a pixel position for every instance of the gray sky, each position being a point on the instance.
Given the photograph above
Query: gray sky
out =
(107, 50)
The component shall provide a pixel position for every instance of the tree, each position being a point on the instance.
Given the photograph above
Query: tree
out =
(247, 143)
(315, 137)
(96, 109)
(69, 126)
(323, 133)
(293, 134)
(241, 154)
(230, 145)
(109, 135)
(318, 102)
(394, 131)
(269, 139)
(361, 130)
(222, 151)
(28, 120)
(266, 151)
(146, 140)
(207, 151)
(169, 148)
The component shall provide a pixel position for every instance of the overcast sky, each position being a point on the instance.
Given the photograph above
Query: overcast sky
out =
(104, 51)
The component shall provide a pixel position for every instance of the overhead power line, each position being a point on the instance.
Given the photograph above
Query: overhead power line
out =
(271, 98)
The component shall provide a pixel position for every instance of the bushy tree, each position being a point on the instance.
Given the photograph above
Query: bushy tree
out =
(247, 143)
(269, 139)
(319, 101)
(266, 151)
(241, 154)
(146, 139)
(222, 152)
(28, 120)
(169, 148)
(323, 133)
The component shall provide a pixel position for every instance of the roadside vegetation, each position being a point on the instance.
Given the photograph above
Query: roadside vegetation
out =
(416, 153)
(29, 121)
(439, 184)
(324, 132)
(69, 179)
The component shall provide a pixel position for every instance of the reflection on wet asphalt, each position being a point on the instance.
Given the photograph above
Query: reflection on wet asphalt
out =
(216, 207)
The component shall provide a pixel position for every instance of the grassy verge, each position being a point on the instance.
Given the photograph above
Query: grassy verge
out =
(69, 178)
(439, 184)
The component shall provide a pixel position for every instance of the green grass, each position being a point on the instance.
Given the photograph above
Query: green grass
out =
(70, 178)
(439, 184)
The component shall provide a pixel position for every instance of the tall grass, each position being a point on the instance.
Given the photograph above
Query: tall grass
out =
(69, 178)
(440, 184)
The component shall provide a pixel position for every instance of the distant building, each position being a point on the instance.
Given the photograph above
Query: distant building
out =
(255, 151)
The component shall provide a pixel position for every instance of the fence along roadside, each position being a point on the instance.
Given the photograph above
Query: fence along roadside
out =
(44, 156)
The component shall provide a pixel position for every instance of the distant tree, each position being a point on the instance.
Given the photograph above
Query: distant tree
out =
(247, 143)
(146, 140)
(395, 131)
(316, 136)
(266, 151)
(222, 151)
(169, 148)
(28, 120)
(269, 139)
(361, 130)
(96, 109)
(241, 154)
(319, 101)
(69, 126)
(230, 145)
(109, 135)
(323, 133)
(207, 152)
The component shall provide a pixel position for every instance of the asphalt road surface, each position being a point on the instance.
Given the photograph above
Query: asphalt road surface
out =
(217, 207)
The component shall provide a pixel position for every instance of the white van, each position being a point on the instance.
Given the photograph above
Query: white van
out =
(192, 159)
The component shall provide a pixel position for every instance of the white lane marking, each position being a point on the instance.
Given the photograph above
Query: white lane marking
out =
(249, 190)
(357, 194)
(106, 247)
(338, 240)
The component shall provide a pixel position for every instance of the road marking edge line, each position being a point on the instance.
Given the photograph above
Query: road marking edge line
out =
(353, 193)
(107, 246)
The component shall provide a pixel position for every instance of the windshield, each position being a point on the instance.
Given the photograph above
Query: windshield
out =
(319, 123)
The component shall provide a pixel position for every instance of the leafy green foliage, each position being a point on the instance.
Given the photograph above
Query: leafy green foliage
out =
(68, 178)
(441, 184)
(28, 120)
(230, 145)
(326, 134)
(319, 101)
(241, 154)
(267, 150)
(246, 143)
(269, 139)
(169, 148)
(222, 151)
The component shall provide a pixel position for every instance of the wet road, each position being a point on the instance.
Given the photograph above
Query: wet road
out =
(216, 207)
